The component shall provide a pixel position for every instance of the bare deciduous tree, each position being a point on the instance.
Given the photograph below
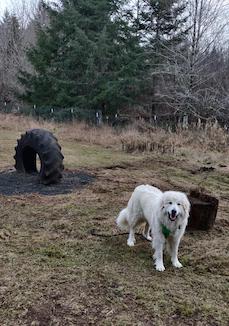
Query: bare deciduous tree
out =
(17, 34)
(191, 77)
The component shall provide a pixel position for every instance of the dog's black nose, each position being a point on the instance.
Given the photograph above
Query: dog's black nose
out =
(173, 212)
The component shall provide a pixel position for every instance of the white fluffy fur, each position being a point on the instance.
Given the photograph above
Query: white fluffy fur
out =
(151, 205)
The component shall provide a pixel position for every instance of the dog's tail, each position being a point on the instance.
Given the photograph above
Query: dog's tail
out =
(122, 219)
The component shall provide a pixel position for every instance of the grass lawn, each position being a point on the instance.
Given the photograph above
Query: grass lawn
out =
(55, 272)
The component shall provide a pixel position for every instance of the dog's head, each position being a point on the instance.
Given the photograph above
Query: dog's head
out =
(175, 205)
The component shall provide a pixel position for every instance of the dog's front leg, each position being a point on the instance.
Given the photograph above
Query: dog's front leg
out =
(131, 239)
(174, 244)
(158, 245)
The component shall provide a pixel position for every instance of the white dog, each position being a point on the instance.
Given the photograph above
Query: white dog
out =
(166, 216)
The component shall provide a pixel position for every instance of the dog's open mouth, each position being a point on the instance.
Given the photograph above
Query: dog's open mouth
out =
(172, 215)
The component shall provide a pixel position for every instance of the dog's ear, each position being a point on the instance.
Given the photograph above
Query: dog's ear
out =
(186, 205)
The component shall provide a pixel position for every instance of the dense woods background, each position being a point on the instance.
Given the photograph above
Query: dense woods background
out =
(113, 58)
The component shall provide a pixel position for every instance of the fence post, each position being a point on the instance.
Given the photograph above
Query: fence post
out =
(185, 122)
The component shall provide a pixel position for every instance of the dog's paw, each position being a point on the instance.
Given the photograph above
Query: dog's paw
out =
(147, 237)
(177, 264)
(130, 243)
(160, 267)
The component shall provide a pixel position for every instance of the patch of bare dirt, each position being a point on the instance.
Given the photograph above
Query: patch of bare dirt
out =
(14, 183)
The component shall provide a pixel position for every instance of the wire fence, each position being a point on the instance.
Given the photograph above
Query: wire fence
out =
(54, 114)
(96, 117)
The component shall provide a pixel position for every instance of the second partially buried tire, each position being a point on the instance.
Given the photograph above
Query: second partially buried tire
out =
(39, 146)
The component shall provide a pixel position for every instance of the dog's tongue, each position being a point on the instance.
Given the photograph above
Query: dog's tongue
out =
(172, 216)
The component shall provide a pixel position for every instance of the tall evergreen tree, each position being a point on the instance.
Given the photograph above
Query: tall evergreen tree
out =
(162, 27)
(87, 57)
(163, 22)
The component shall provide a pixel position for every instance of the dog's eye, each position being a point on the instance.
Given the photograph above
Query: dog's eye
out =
(170, 203)
(178, 204)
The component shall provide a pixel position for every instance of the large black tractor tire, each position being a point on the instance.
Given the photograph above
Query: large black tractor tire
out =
(41, 144)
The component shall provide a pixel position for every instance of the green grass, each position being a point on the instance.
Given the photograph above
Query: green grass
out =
(82, 155)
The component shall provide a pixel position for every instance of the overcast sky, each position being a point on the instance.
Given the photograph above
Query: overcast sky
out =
(9, 4)
(3, 5)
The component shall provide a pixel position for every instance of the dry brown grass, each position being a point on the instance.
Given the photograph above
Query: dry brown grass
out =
(82, 132)
(158, 140)
(54, 272)
(136, 138)
(20, 123)
(209, 138)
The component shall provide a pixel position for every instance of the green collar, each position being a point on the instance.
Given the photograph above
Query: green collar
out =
(165, 231)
